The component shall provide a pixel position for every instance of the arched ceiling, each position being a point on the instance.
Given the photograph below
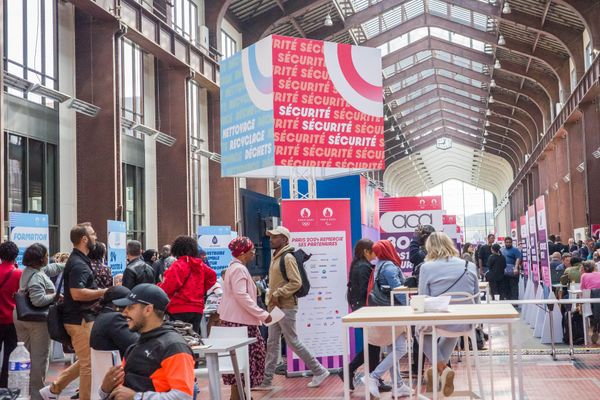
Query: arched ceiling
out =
(486, 73)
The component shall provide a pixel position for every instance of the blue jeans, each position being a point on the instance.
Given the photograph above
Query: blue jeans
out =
(445, 348)
(388, 362)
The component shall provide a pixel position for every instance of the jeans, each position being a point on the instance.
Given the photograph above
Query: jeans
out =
(80, 337)
(8, 342)
(388, 362)
(287, 328)
(37, 341)
(444, 348)
(359, 359)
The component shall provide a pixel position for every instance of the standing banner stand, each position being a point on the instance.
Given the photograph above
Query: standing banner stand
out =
(521, 289)
(532, 310)
(214, 240)
(400, 216)
(556, 321)
(540, 314)
(27, 229)
(321, 228)
(116, 246)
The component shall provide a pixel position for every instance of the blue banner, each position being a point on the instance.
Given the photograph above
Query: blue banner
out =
(27, 229)
(215, 241)
(116, 247)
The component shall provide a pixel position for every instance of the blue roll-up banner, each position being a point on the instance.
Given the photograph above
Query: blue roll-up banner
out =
(117, 241)
(27, 229)
(215, 241)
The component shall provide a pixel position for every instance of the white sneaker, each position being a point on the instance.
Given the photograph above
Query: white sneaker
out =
(402, 391)
(263, 387)
(318, 379)
(47, 394)
(373, 385)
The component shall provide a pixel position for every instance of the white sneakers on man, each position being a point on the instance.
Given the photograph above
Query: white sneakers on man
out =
(318, 379)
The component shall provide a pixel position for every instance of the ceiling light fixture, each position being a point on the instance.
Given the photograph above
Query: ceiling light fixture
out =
(492, 83)
(487, 123)
(488, 113)
(501, 40)
(497, 64)
(328, 20)
(406, 151)
(402, 145)
(506, 9)
(397, 137)
(485, 133)
(491, 100)
(484, 141)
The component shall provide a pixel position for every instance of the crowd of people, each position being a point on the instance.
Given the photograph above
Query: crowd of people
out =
(136, 313)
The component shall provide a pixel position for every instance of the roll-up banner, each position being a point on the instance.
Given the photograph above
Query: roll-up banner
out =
(116, 248)
(524, 240)
(321, 228)
(214, 240)
(533, 248)
(400, 216)
(542, 236)
(514, 231)
(27, 229)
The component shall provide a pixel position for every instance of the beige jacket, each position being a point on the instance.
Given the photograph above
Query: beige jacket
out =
(280, 288)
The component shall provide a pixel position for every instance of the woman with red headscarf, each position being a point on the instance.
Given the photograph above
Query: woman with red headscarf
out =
(387, 275)
(239, 308)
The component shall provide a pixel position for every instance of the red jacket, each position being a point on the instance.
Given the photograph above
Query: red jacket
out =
(7, 291)
(185, 282)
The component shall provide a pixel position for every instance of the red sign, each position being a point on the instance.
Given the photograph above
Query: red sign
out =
(410, 203)
(327, 100)
(449, 219)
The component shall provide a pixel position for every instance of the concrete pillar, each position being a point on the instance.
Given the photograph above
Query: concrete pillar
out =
(591, 128)
(172, 163)
(565, 222)
(98, 139)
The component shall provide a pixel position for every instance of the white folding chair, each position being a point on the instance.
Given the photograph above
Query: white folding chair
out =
(457, 298)
(225, 363)
(102, 361)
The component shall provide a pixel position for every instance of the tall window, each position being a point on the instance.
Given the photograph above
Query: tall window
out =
(196, 141)
(185, 19)
(228, 45)
(132, 84)
(31, 180)
(589, 55)
(133, 193)
(30, 44)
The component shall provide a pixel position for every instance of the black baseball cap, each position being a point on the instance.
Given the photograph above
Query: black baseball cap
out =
(145, 293)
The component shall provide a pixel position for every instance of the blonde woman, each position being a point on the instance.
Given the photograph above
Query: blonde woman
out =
(442, 272)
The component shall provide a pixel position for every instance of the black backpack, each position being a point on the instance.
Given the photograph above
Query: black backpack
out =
(301, 257)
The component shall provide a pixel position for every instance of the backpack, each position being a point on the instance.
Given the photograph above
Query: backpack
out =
(301, 257)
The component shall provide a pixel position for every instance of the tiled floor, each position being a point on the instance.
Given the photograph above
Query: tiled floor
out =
(544, 379)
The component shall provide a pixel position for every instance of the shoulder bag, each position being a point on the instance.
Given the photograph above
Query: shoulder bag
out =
(26, 311)
(380, 295)
(56, 326)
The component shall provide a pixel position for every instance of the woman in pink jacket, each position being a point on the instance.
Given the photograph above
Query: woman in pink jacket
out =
(239, 308)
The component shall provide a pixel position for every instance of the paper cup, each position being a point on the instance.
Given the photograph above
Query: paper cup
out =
(418, 303)
(497, 297)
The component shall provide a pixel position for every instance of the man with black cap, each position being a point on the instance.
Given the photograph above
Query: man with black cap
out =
(160, 366)
(110, 330)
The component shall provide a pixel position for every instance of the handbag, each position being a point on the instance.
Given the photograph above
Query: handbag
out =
(26, 311)
(379, 295)
(56, 326)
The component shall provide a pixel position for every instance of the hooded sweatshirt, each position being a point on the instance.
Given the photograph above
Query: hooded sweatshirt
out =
(186, 282)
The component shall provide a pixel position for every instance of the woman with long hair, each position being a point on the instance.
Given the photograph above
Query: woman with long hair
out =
(238, 308)
(443, 271)
(467, 252)
(102, 272)
(387, 274)
(358, 283)
(35, 282)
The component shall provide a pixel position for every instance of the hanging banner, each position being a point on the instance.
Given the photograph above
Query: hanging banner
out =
(524, 239)
(215, 241)
(514, 231)
(533, 247)
(542, 236)
(116, 246)
(321, 228)
(27, 229)
(289, 102)
(400, 216)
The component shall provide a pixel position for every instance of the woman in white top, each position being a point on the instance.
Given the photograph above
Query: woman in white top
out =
(443, 272)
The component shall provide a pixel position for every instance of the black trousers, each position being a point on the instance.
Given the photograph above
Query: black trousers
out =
(512, 287)
(359, 359)
(498, 288)
(8, 341)
(191, 318)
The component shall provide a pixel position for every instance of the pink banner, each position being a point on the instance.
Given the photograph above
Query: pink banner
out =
(321, 228)
(523, 242)
(400, 216)
(542, 236)
(533, 248)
